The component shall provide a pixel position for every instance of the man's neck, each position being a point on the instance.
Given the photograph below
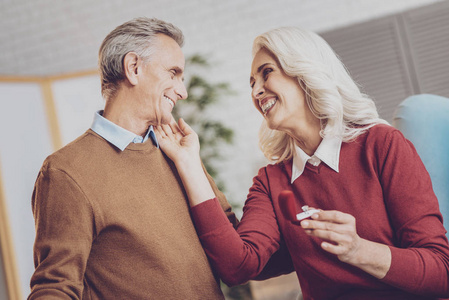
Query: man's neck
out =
(121, 113)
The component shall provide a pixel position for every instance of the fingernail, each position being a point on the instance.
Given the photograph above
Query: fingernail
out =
(305, 223)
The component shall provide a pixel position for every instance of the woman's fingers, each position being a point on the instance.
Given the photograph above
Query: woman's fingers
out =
(175, 130)
(167, 129)
(338, 231)
(160, 134)
(185, 128)
(170, 131)
(174, 127)
(334, 216)
(330, 220)
(338, 236)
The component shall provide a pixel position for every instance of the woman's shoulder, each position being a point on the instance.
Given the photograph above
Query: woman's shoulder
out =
(278, 169)
(381, 129)
(382, 133)
(274, 174)
(277, 166)
(381, 138)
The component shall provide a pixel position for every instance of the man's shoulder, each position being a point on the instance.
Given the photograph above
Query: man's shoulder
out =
(75, 152)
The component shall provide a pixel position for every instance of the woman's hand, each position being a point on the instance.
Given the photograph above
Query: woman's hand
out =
(338, 230)
(179, 142)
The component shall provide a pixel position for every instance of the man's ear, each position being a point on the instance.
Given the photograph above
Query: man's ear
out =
(131, 65)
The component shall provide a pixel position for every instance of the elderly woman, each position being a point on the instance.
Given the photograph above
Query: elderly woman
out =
(378, 233)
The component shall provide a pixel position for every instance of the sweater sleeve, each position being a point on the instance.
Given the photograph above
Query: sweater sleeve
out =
(420, 260)
(280, 263)
(222, 200)
(241, 255)
(64, 234)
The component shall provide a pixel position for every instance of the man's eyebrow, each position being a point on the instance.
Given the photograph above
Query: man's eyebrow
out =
(258, 70)
(177, 70)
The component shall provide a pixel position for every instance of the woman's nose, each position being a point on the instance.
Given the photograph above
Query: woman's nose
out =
(258, 90)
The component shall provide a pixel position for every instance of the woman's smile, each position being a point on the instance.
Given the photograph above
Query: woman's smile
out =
(267, 103)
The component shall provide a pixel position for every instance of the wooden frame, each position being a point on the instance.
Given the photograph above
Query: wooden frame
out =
(7, 252)
(45, 83)
(50, 109)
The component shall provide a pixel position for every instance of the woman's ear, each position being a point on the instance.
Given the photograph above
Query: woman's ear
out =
(131, 65)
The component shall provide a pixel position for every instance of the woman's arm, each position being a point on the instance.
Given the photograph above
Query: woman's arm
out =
(413, 208)
(236, 256)
(182, 146)
(419, 262)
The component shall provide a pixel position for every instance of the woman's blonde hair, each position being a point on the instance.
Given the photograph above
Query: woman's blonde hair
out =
(330, 92)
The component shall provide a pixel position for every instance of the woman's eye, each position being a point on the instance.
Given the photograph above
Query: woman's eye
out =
(266, 72)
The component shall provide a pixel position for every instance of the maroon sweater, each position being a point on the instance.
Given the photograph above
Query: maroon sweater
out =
(382, 183)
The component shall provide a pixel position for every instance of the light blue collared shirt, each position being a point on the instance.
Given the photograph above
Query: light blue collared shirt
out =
(118, 136)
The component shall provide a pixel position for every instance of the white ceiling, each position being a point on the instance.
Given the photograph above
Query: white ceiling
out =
(49, 37)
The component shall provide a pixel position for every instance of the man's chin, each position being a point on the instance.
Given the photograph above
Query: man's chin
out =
(167, 120)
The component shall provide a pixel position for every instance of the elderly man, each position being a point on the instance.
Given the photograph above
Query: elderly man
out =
(112, 219)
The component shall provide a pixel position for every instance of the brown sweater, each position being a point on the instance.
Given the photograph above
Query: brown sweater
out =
(116, 225)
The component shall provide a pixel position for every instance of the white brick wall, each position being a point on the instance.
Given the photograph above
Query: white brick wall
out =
(48, 37)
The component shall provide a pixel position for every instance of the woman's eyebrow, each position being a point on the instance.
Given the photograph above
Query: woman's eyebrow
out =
(258, 70)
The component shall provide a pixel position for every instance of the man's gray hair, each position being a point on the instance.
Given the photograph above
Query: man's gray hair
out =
(136, 36)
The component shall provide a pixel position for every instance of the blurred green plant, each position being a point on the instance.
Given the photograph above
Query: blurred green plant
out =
(202, 94)
(212, 133)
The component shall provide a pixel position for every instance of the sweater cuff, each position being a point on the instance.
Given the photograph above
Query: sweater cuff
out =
(400, 261)
(208, 216)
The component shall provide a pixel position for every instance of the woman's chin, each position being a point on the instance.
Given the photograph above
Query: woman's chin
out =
(272, 125)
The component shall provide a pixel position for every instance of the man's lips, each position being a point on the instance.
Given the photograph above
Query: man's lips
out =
(170, 101)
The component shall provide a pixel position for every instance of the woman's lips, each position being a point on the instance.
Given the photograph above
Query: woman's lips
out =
(267, 103)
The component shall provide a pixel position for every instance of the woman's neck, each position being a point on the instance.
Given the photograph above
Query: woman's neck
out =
(308, 139)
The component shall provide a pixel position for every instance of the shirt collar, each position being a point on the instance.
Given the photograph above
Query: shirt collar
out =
(116, 135)
(328, 151)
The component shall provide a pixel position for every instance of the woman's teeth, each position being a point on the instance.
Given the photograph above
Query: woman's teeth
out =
(170, 101)
(267, 105)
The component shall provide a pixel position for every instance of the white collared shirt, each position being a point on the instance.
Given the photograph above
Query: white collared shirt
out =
(328, 152)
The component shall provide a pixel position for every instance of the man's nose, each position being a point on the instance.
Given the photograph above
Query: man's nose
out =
(181, 91)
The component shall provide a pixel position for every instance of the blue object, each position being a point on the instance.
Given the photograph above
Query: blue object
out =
(424, 120)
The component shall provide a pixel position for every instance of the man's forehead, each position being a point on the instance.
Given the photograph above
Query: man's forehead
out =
(169, 52)
(163, 41)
